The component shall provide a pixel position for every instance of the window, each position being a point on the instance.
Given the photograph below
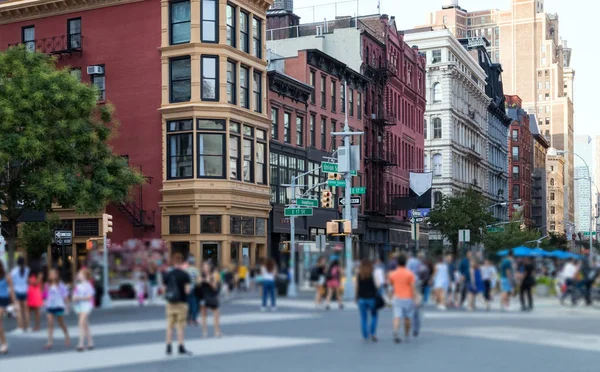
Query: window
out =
(99, 81)
(210, 83)
(179, 224)
(351, 102)
(333, 90)
(234, 151)
(323, 92)
(539, 85)
(181, 75)
(210, 149)
(76, 73)
(437, 164)
(231, 82)
(547, 96)
(230, 20)
(210, 224)
(312, 130)
(547, 121)
(257, 89)
(244, 33)
(342, 97)
(552, 168)
(256, 38)
(516, 192)
(312, 84)
(299, 131)
(274, 123)
(515, 135)
(437, 92)
(286, 127)
(515, 172)
(436, 56)
(248, 154)
(261, 157)
(543, 62)
(552, 196)
(437, 128)
(180, 157)
(180, 21)
(548, 85)
(28, 37)
(552, 226)
(540, 97)
(359, 106)
(552, 209)
(323, 134)
(244, 83)
(547, 108)
(515, 152)
(425, 129)
(74, 32)
(261, 226)
(210, 31)
(333, 129)
(551, 181)
(437, 197)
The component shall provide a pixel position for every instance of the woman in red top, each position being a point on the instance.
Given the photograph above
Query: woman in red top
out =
(34, 296)
(334, 277)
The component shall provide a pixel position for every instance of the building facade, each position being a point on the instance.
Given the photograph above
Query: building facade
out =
(536, 63)
(456, 116)
(555, 168)
(520, 143)
(584, 148)
(539, 185)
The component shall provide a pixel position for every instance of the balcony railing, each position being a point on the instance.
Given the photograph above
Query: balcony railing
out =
(382, 157)
(384, 117)
(57, 45)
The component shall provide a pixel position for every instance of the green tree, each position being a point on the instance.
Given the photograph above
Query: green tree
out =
(512, 236)
(555, 241)
(468, 210)
(35, 237)
(54, 142)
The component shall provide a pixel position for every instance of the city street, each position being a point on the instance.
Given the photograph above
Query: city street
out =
(299, 338)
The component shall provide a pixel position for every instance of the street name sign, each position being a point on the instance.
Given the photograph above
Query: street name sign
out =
(495, 229)
(290, 212)
(333, 168)
(336, 183)
(307, 202)
(358, 190)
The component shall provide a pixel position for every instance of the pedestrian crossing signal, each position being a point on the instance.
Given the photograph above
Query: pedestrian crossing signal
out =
(326, 199)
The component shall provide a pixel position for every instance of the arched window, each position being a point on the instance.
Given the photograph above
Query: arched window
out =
(437, 92)
(551, 181)
(425, 163)
(437, 197)
(437, 128)
(437, 164)
(425, 128)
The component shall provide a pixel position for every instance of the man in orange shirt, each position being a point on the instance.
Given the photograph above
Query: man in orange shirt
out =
(402, 282)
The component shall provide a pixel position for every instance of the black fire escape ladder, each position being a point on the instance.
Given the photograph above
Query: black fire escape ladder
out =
(133, 208)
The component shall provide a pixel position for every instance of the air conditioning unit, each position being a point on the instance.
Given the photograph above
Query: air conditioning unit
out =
(95, 70)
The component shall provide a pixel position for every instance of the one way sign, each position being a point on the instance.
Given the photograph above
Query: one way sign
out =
(355, 200)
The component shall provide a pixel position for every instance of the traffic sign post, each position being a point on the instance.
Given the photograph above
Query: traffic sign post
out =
(355, 200)
(336, 183)
(291, 212)
(358, 190)
(302, 202)
(63, 238)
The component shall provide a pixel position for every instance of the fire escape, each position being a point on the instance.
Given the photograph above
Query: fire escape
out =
(379, 155)
(133, 207)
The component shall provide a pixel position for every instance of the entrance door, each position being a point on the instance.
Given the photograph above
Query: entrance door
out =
(210, 252)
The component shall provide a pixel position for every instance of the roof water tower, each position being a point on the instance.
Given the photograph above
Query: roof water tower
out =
(283, 5)
(450, 4)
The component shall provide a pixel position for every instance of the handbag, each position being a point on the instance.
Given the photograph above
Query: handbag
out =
(379, 302)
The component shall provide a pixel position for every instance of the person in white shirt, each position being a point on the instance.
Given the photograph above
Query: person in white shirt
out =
(568, 274)
(489, 275)
(20, 277)
(379, 274)
(83, 297)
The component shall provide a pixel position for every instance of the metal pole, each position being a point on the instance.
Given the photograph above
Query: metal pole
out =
(349, 285)
(106, 303)
(292, 290)
(591, 255)
(63, 253)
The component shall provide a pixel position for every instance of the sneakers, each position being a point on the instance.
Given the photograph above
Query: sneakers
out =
(397, 338)
(183, 351)
(441, 308)
(169, 349)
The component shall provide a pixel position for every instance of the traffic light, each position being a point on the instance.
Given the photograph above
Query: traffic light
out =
(91, 244)
(339, 227)
(333, 227)
(326, 199)
(107, 223)
(334, 176)
(347, 227)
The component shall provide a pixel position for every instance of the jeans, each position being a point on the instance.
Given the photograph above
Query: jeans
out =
(193, 306)
(526, 291)
(416, 320)
(366, 305)
(426, 291)
(268, 289)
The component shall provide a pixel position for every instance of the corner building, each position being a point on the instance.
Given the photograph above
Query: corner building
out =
(215, 128)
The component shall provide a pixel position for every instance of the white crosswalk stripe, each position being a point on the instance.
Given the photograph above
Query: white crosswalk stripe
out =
(122, 356)
(159, 325)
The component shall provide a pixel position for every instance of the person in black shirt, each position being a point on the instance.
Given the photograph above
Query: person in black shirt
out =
(177, 286)
(366, 297)
(527, 284)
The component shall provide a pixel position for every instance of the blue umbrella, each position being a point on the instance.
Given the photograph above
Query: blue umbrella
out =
(539, 252)
(502, 253)
(522, 251)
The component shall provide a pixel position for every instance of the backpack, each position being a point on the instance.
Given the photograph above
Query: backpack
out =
(173, 293)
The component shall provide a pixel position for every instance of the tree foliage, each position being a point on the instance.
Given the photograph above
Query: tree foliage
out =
(468, 210)
(555, 241)
(35, 237)
(54, 142)
(512, 236)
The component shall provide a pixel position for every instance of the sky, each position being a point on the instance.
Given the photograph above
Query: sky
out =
(572, 14)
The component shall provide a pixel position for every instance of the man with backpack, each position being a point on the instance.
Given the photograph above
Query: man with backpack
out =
(177, 287)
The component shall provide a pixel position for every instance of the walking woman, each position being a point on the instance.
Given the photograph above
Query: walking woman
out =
(7, 295)
(366, 298)
(35, 301)
(19, 276)
(56, 297)
(489, 276)
(475, 284)
(334, 277)
(83, 297)
(268, 283)
(441, 282)
(319, 280)
(207, 290)
(152, 282)
(527, 284)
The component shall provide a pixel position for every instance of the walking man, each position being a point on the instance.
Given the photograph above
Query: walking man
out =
(465, 277)
(507, 278)
(402, 282)
(178, 286)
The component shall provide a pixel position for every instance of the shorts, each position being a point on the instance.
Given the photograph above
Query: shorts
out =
(21, 296)
(56, 311)
(177, 314)
(4, 302)
(506, 285)
(84, 308)
(403, 308)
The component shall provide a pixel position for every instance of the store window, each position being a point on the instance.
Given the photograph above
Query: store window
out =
(179, 224)
(210, 224)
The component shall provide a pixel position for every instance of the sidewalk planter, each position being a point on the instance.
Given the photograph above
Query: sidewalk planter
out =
(544, 287)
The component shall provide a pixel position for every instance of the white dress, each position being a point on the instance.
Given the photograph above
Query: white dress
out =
(441, 280)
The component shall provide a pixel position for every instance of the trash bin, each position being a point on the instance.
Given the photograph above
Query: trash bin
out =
(282, 285)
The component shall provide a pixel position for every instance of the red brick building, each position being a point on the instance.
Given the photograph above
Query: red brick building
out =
(520, 144)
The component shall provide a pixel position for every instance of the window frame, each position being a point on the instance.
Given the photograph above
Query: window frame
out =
(435, 130)
(312, 123)
(216, 60)
(101, 77)
(249, 139)
(342, 97)
(29, 44)
(178, 59)
(333, 88)
(312, 81)
(299, 130)
(351, 102)
(287, 130)
(324, 91)
(70, 35)
(257, 39)
(171, 3)
(437, 94)
(359, 112)
(237, 135)
(231, 30)
(257, 95)
(515, 157)
(245, 90)
(215, 21)
(263, 166)
(216, 132)
(169, 156)
(275, 123)
(323, 133)
(232, 96)
(244, 42)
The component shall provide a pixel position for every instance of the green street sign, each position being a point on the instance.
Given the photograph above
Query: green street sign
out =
(333, 168)
(336, 183)
(307, 202)
(495, 229)
(358, 190)
(587, 233)
(289, 212)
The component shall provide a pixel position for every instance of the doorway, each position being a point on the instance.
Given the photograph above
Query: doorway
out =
(210, 252)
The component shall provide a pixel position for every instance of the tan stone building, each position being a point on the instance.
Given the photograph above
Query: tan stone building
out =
(215, 195)
(556, 193)
(535, 63)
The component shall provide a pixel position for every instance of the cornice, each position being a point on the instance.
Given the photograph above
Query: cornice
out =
(22, 10)
(288, 87)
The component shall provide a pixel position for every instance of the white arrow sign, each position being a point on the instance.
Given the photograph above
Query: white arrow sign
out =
(63, 234)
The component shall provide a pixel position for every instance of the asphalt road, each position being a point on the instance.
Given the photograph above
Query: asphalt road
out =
(299, 338)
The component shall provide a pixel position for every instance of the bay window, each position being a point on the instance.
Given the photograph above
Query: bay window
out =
(210, 80)
(234, 151)
(180, 89)
(244, 85)
(210, 148)
(180, 20)
(210, 32)
(248, 153)
(261, 156)
(230, 20)
(180, 147)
